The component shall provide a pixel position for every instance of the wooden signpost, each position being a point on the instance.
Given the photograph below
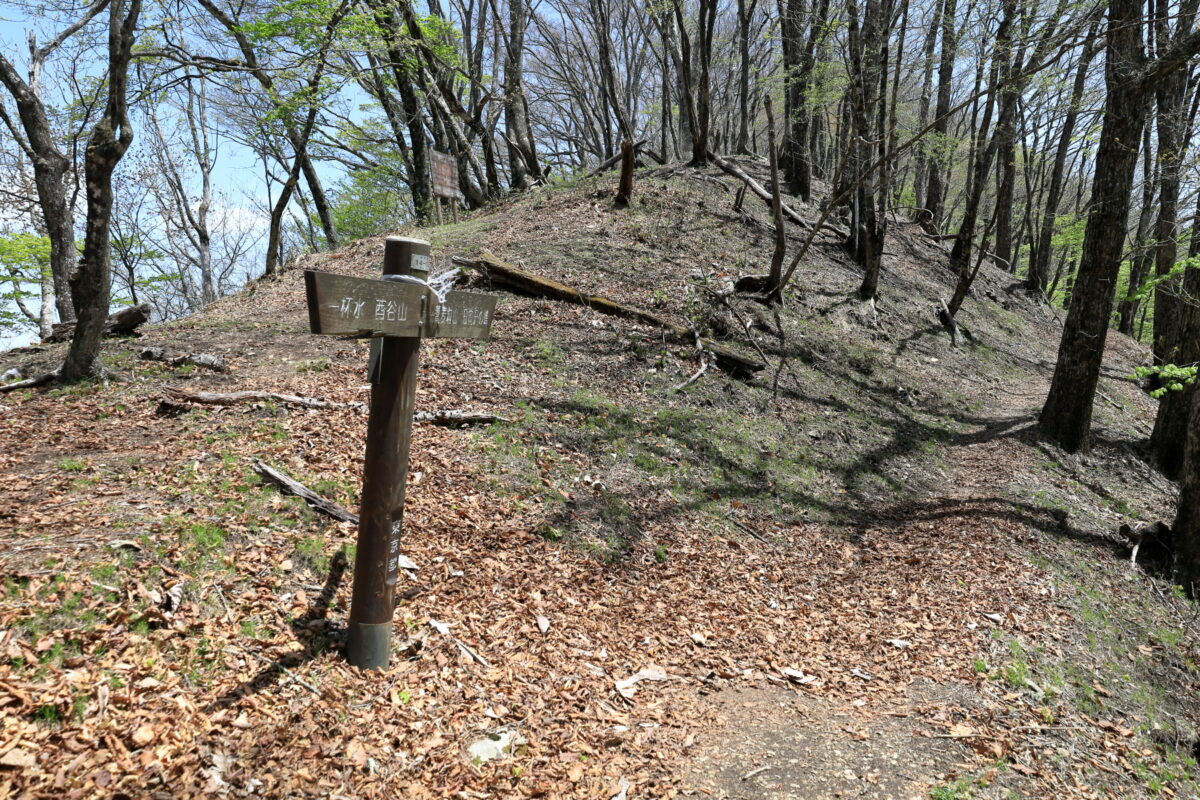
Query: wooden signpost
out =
(445, 183)
(396, 315)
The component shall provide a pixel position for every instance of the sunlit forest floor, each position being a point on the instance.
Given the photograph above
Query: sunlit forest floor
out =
(860, 573)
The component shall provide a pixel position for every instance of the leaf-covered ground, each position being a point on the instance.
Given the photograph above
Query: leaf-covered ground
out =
(861, 574)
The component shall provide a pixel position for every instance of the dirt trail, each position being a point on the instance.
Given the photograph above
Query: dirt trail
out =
(778, 742)
(955, 738)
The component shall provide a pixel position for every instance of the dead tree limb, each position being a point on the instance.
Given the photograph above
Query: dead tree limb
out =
(759, 190)
(295, 488)
(206, 360)
(37, 380)
(519, 280)
(124, 321)
(452, 418)
(250, 396)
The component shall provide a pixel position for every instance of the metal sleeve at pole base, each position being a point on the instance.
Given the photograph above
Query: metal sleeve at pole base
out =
(369, 645)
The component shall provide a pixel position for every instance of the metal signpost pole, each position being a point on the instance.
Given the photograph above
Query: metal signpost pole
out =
(385, 470)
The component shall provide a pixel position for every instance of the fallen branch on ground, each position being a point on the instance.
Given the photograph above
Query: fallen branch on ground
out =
(126, 320)
(763, 194)
(533, 285)
(453, 418)
(293, 487)
(175, 396)
(206, 360)
(37, 380)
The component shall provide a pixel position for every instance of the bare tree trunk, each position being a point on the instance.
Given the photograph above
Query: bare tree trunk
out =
(522, 159)
(1171, 96)
(1141, 255)
(926, 102)
(91, 283)
(745, 11)
(1039, 265)
(1171, 424)
(1067, 414)
(868, 76)
(939, 161)
(281, 104)
(799, 62)
(1002, 64)
(704, 34)
(774, 285)
(50, 165)
(1187, 521)
(419, 179)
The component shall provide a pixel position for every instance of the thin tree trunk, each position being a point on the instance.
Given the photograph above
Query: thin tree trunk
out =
(745, 10)
(939, 161)
(775, 276)
(1171, 424)
(926, 102)
(1142, 255)
(1171, 96)
(1039, 265)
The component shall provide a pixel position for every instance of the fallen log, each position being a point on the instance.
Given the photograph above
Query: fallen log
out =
(206, 360)
(37, 380)
(517, 279)
(250, 396)
(295, 488)
(763, 194)
(125, 321)
(452, 418)
(759, 190)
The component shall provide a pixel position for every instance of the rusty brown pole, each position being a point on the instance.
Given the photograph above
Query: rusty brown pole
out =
(625, 187)
(385, 470)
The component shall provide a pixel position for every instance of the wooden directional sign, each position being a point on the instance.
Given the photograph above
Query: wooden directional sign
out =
(400, 313)
(345, 306)
(445, 175)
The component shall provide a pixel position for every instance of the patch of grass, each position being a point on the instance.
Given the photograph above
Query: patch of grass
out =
(72, 464)
(314, 365)
(1016, 674)
(547, 353)
(960, 789)
(309, 551)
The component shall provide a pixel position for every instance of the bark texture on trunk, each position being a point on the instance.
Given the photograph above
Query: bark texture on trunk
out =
(1067, 414)
(935, 192)
(1187, 521)
(868, 74)
(1171, 424)
(91, 283)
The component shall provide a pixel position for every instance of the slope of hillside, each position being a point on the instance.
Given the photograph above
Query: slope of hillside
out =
(861, 573)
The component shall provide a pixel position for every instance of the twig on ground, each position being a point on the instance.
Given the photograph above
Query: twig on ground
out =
(283, 669)
(293, 487)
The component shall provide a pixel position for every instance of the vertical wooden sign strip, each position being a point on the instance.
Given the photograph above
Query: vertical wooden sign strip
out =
(385, 472)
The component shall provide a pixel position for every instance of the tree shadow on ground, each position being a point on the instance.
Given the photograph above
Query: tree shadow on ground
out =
(851, 486)
(312, 630)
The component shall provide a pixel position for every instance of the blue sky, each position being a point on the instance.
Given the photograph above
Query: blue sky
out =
(237, 174)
